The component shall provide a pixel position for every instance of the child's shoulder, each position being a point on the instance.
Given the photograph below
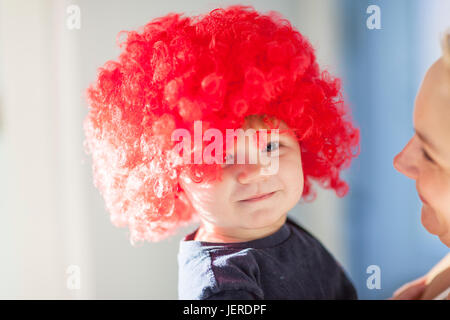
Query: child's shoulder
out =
(247, 269)
(305, 241)
(246, 258)
(207, 270)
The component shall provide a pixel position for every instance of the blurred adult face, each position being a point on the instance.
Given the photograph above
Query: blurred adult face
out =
(426, 157)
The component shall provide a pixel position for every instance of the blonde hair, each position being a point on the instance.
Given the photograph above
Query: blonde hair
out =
(446, 48)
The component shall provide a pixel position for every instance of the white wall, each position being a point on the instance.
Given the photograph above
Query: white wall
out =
(32, 214)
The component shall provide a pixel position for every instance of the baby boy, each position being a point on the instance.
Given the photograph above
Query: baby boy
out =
(230, 69)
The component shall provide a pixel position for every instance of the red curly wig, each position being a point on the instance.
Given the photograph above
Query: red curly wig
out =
(219, 68)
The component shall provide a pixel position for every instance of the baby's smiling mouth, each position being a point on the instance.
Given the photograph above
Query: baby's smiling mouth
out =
(259, 197)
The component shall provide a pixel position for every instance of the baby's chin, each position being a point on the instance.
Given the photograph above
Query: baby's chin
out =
(262, 218)
(432, 224)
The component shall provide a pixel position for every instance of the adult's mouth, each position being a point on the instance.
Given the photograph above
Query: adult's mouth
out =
(423, 199)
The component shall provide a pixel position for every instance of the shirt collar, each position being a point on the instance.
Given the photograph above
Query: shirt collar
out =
(269, 241)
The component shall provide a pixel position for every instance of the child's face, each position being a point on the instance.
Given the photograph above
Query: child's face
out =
(426, 158)
(229, 204)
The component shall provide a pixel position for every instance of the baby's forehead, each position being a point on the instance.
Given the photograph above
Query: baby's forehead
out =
(259, 129)
(260, 122)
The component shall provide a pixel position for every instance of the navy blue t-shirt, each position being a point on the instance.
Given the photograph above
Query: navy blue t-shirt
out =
(288, 264)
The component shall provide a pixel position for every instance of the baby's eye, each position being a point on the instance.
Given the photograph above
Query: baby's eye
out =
(229, 159)
(272, 146)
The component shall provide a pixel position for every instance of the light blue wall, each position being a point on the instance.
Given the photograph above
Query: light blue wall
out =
(382, 73)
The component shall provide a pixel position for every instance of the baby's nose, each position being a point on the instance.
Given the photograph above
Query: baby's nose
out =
(252, 173)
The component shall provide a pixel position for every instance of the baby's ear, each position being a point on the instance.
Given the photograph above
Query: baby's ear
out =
(181, 191)
(183, 179)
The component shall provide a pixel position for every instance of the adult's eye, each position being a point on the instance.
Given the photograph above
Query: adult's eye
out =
(427, 156)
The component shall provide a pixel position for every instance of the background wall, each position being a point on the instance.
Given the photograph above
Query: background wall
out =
(383, 70)
(52, 217)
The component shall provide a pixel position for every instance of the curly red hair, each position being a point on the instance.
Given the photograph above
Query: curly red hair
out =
(219, 68)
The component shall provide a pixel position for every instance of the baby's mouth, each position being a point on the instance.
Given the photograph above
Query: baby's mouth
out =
(259, 197)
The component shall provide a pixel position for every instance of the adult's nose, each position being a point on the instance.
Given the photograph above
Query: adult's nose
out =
(406, 161)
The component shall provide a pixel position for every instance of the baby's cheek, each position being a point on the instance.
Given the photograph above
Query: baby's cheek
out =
(211, 198)
(293, 180)
(201, 195)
